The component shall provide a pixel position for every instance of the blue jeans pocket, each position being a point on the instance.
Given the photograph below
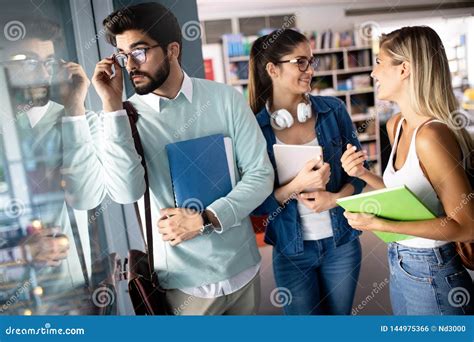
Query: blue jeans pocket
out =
(415, 269)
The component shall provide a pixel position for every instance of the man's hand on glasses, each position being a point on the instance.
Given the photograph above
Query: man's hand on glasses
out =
(109, 85)
(73, 86)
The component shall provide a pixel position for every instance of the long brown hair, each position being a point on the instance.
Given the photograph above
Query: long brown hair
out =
(266, 49)
(430, 79)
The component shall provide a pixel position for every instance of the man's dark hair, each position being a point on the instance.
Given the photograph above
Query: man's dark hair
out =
(152, 18)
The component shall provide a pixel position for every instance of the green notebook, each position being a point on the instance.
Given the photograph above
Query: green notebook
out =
(398, 204)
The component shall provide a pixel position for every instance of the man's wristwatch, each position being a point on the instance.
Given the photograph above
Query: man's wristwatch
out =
(207, 227)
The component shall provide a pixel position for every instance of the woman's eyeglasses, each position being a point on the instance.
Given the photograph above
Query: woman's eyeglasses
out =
(138, 56)
(303, 63)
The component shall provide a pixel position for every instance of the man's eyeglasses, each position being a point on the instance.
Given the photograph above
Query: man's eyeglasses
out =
(303, 63)
(138, 56)
(31, 64)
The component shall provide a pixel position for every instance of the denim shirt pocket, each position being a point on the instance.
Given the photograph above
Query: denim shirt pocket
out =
(336, 145)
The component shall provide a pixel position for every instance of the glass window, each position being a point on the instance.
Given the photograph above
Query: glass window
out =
(53, 258)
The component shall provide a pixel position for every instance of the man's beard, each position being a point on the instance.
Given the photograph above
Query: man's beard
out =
(32, 96)
(156, 80)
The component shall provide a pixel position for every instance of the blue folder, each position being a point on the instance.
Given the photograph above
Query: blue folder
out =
(199, 171)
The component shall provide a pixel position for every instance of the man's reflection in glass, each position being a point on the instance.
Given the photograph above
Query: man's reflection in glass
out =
(45, 274)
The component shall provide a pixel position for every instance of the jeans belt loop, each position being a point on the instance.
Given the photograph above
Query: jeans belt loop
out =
(439, 255)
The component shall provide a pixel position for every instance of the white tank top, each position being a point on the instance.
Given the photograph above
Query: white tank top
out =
(412, 176)
(316, 226)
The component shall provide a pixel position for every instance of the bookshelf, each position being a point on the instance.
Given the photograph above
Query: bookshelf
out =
(343, 72)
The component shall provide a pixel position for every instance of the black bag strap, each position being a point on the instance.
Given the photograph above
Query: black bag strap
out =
(78, 242)
(133, 118)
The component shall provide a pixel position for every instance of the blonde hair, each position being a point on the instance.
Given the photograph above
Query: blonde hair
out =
(430, 80)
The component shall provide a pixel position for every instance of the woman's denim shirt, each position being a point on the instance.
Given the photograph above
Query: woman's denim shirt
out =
(334, 130)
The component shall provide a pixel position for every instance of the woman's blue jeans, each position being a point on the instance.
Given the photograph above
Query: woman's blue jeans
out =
(320, 281)
(429, 281)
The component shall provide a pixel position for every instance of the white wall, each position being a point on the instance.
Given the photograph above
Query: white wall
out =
(317, 14)
(214, 52)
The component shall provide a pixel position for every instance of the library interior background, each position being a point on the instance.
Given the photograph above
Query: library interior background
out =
(217, 38)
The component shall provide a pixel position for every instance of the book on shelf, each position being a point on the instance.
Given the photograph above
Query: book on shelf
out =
(360, 58)
(238, 45)
(327, 40)
(355, 82)
(328, 62)
(371, 149)
(208, 69)
(238, 71)
(321, 40)
(361, 81)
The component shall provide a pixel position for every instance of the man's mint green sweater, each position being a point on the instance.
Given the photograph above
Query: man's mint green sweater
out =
(115, 169)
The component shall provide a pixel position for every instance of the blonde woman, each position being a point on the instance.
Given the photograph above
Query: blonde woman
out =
(429, 156)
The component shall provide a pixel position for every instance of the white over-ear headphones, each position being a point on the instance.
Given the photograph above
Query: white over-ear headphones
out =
(281, 118)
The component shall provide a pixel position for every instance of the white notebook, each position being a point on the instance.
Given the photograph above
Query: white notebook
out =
(290, 159)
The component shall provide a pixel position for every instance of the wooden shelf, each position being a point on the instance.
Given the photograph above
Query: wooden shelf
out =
(239, 82)
(368, 138)
(356, 70)
(362, 117)
(343, 71)
(341, 49)
(354, 91)
(239, 59)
